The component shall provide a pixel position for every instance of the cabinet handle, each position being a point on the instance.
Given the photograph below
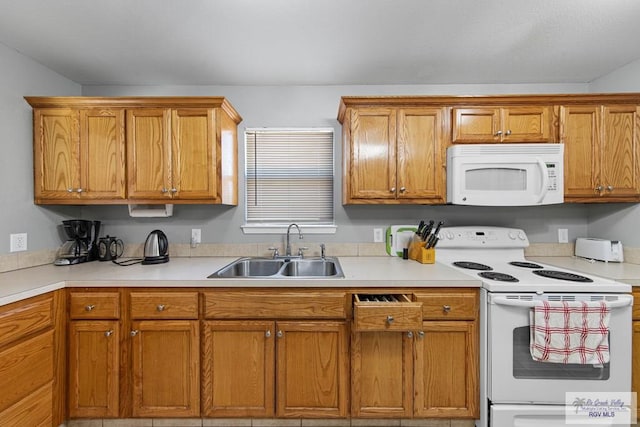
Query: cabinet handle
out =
(108, 333)
(393, 190)
(498, 133)
(420, 334)
(279, 334)
(609, 187)
(89, 307)
(267, 334)
(390, 319)
(133, 332)
(446, 308)
(164, 190)
(508, 132)
(174, 190)
(409, 334)
(599, 188)
(160, 307)
(403, 189)
(79, 190)
(69, 190)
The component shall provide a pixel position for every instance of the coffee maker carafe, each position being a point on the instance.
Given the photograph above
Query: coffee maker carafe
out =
(81, 245)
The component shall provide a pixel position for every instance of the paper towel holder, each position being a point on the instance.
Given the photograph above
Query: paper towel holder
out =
(150, 211)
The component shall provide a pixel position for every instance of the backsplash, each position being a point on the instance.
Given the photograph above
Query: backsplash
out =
(19, 260)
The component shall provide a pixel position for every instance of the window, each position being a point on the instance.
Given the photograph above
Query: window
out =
(289, 179)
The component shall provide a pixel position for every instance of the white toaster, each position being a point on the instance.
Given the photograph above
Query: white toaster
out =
(599, 249)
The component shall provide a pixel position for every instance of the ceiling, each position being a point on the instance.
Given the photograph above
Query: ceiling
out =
(324, 42)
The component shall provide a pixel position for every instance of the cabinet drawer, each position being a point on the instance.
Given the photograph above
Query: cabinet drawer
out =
(22, 318)
(33, 410)
(275, 304)
(453, 305)
(164, 305)
(94, 305)
(398, 313)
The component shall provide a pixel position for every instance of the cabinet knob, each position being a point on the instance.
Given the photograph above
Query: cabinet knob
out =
(393, 190)
(446, 308)
(69, 190)
(420, 334)
(508, 132)
(267, 334)
(390, 319)
(164, 190)
(174, 190)
(79, 190)
(160, 307)
(89, 307)
(498, 133)
(609, 187)
(279, 334)
(599, 188)
(409, 334)
(108, 333)
(403, 189)
(133, 332)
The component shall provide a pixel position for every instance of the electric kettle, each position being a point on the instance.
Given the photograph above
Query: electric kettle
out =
(156, 248)
(110, 248)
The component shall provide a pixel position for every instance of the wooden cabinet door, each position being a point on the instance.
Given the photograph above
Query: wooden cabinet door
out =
(238, 368)
(194, 156)
(94, 368)
(372, 170)
(446, 370)
(476, 125)
(166, 368)
(420, 145)
(381, 374)
(56, 154)
(312, 369)
(102, 154)
(149, 154)
(527, 124)
(619, 151)
(580, 132)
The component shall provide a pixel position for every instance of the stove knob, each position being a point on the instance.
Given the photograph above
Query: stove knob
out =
(449, 235)
(512, 235)
(521, 235)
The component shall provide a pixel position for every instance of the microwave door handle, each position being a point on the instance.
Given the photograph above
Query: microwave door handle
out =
(623, 301)
(545, 180)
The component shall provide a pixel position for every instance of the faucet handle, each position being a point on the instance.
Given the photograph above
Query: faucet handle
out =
(322, 250)
(276, 253)
(300, 249)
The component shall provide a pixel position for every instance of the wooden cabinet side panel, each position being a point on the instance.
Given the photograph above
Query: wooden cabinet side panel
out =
(26, 317)
(56, 154)
(420, 153)
(381, 374)
(446, 370)
(102, 154)
(194, 154)
(620, 151)
(580, 132)
(166, 368)
(94, 368)
(372, 173)
(227, 159)
(148, 153)
(238, 368)
(312, 369)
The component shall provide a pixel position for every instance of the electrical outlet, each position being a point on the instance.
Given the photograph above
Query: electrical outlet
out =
(378, 237)
(18, 242)
(196, 237)
(563, 235)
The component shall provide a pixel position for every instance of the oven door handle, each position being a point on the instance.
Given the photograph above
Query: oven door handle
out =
(623, 301)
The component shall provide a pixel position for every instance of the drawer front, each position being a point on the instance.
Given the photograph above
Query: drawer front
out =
(272, 304)
(387, 316)
(24, 368)
(164, 305)
(94, 305)
(451, 305)
(25, 317)
(33, 410)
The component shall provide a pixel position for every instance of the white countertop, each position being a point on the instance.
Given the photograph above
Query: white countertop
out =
(618, 271)
(192, 272)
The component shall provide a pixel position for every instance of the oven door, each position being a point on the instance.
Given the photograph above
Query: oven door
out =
(514, 377)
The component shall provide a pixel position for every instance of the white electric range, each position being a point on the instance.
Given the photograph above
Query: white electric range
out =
(515, 390)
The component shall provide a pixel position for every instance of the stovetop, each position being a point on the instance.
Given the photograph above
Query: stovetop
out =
(495, 255)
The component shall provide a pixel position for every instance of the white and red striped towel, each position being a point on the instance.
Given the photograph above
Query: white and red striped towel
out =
(570, 332)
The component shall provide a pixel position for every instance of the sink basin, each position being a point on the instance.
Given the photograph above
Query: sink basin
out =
(262, 268)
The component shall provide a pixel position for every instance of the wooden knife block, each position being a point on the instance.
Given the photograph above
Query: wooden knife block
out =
(418, 252)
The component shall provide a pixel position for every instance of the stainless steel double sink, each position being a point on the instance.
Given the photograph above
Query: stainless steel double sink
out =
(299, 268)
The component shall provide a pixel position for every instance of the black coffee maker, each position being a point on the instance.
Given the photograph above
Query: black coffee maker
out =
(81, 245)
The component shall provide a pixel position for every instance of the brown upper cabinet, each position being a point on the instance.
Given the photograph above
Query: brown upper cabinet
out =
(504, 124)
(601, 152)
(394, 155)
(134, 150)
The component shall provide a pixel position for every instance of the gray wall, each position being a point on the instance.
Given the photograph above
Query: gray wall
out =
(617, 221)
(317, 106)
(19, 77)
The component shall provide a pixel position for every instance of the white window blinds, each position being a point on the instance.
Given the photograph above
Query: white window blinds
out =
(289, 176)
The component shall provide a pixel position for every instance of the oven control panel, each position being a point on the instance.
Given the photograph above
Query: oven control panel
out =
(482, 237)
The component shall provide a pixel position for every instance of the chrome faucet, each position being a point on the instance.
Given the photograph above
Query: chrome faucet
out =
(288, 248)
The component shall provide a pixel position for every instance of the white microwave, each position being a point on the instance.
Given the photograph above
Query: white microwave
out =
(505, 174)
